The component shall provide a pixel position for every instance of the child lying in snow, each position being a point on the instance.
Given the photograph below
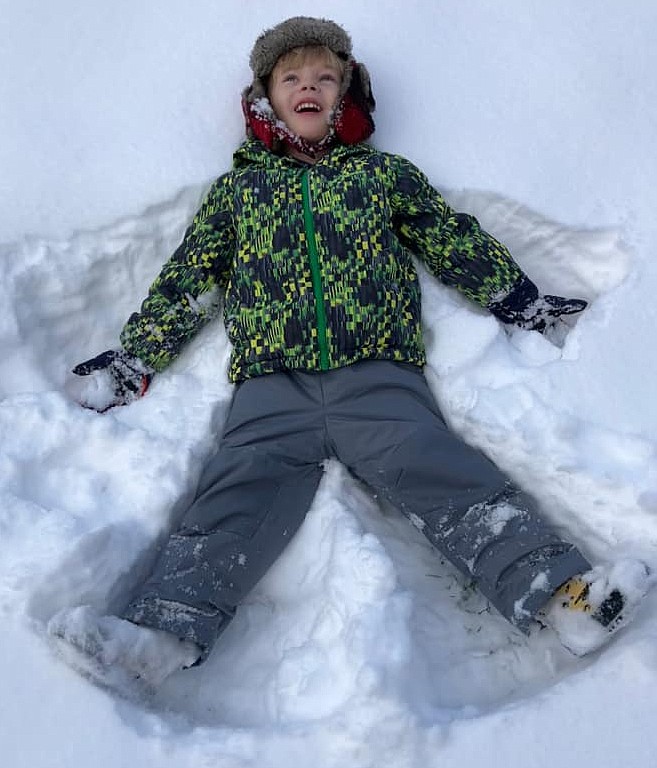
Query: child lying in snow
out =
(309, 242)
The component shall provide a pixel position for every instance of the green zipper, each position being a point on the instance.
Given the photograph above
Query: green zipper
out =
(315, 272)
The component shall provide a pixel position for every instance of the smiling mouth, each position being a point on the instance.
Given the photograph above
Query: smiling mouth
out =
(307, 107)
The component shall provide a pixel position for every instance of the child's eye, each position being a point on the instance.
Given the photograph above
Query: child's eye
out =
(289, 78)
(330, 77)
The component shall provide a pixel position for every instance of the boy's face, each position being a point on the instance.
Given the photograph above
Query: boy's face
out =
(304, 94)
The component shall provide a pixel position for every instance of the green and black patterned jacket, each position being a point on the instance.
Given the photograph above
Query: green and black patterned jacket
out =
(314, 263)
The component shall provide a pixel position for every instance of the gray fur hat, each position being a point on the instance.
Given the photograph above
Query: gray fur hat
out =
(295, 33)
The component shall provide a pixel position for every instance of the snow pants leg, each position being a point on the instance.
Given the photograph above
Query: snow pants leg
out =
(393, 437)
(253, 495)
(380, 420)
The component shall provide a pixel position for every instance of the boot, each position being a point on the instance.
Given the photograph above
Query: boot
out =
(588, 609)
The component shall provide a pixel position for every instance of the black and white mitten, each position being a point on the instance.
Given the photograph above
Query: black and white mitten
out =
(526, 308)
(112, 378)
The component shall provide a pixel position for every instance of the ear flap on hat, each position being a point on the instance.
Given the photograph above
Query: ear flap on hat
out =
(361, 87)
(258, 115)
(353, 119)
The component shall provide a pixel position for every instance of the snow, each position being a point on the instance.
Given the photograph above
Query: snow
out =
(361, 647)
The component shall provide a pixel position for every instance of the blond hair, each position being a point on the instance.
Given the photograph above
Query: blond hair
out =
(297, 57)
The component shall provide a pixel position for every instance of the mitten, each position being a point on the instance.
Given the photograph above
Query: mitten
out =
(114, 378)
(525, 307)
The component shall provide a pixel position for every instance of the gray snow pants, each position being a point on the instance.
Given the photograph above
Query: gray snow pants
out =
(380, 420)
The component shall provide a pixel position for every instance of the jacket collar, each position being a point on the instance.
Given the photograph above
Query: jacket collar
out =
(254, 153)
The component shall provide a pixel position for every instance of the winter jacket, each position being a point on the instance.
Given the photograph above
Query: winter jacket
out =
(314, 263)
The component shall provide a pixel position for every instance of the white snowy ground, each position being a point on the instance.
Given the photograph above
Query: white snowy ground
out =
(361, 647)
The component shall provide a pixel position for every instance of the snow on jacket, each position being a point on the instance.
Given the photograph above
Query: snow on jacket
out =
(314, 263)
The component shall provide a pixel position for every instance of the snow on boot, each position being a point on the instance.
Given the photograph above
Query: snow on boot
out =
(116, 653)
(588, 609)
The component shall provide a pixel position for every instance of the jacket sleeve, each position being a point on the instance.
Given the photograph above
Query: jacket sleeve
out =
(187, 293)
(452, 245)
